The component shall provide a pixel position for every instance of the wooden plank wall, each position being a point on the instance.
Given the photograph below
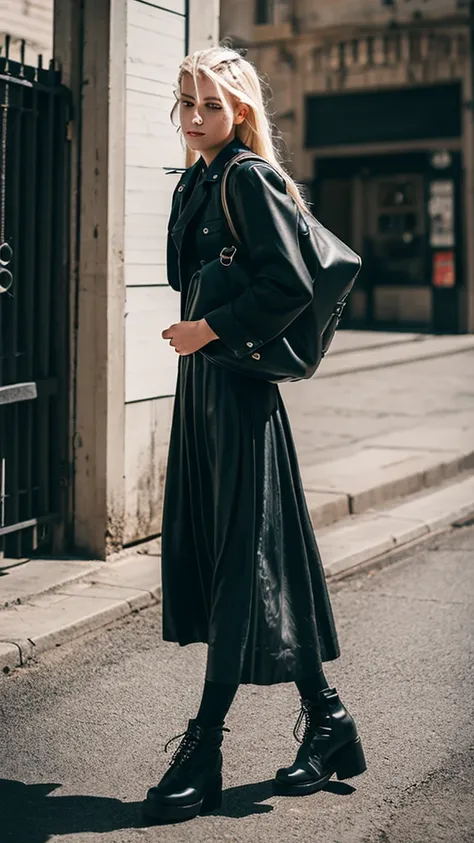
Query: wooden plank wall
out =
(33, 21)
(156, 42)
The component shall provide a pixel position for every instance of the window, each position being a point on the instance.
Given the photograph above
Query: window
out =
(272, 12)
(264, 11)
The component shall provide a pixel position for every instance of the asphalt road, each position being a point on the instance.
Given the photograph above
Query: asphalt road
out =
(82, 731)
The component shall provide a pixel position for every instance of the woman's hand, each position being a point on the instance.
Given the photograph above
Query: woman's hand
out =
(188, 337)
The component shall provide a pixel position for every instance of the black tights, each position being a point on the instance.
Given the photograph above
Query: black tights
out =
(217, 697)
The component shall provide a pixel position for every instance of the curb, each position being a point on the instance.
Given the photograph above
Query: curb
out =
(377, 534)
(10, 657)
(335, 368)
(344, 548)
(64, 581)
(329, 506)
(19, 653)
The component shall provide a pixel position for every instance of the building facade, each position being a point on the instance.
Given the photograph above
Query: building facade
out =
(374, 101)
(84, 441)
(31, 22)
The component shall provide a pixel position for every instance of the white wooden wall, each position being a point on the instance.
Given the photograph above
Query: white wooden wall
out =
(32, 21)
(156, 45)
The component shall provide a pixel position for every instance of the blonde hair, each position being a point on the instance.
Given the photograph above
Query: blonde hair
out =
(231, 71)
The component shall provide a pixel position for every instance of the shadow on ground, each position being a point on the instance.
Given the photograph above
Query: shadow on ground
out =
(29, 815)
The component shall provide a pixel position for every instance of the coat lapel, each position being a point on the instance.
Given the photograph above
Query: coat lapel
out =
(193, 196)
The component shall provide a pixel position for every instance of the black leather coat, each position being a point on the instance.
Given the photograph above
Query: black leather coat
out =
(241, 569)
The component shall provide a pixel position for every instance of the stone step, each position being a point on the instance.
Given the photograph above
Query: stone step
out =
(350, 543)
(386, 468)
(379, 357)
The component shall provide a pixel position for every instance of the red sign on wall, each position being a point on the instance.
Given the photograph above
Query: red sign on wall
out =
(443, 269)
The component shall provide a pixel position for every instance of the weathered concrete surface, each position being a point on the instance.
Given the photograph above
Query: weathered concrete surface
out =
(334, 417)
(86, 726)
(19, 580)
(376, 475)
(390, 354)
(345, 341)
(361, 539)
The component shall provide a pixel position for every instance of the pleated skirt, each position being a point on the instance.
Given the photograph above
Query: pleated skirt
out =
(240, 564)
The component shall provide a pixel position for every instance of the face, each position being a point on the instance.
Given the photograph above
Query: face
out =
(208, 117)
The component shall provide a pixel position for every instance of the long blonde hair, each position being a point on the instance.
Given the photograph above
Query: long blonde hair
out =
(229, 70)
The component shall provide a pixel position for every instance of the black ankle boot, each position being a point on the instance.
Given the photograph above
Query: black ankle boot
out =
(193, 783)
(329, 744)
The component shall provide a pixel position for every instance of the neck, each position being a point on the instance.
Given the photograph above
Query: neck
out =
(208, 155)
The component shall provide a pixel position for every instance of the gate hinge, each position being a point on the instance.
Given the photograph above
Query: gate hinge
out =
(64, 474)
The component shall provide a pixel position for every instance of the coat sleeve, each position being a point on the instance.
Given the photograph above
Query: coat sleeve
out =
(266, 218)
(172, 266)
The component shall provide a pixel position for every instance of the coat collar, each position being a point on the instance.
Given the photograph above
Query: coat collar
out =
(192, 189)
(214, 172)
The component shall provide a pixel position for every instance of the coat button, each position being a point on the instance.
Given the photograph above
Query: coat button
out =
(181, 188)
(256, 356)
(215, 177)
(250, 345)
(202, 263)
(205, 231)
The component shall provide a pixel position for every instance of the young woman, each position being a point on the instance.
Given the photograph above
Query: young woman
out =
(241, 569)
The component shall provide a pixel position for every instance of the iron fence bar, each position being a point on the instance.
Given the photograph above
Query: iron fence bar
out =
(13, 474)
(13, 201)
(28, 391)
(45, 243)
(29, 83)
(3, 152)
(60, 314)
(44, 302)
(31, 522)
(29, 227)
(29, 288)
(2, 221)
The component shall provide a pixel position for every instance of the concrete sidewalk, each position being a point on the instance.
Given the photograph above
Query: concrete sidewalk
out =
(365, 439)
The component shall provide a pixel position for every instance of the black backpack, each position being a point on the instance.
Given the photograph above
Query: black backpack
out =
(333, 266)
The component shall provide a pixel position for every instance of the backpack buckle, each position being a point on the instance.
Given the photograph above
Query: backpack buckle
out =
(227, 255)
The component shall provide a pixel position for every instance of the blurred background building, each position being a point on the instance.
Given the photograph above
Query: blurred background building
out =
(374, 102)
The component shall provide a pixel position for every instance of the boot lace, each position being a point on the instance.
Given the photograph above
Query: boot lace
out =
(311, 723)
(186, 747)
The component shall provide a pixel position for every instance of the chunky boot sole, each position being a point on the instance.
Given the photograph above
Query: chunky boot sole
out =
(347, 762)
(165, 812)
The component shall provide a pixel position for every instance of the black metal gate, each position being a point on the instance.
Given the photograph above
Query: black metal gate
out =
(34, 187)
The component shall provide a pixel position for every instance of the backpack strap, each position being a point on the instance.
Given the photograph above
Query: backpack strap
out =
(237, 159)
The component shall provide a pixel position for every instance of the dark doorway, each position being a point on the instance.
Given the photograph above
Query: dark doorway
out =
(380, 205)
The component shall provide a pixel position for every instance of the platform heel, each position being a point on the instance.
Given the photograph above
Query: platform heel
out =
(350, 761)
(193, 783)
(213, 798)
(329, 744)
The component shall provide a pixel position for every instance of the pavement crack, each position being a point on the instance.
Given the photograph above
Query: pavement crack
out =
(412, 599)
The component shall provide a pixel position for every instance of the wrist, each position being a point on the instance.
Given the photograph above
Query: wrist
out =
(207, 331)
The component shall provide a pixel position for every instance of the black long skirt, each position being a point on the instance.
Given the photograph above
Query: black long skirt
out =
(241, 568)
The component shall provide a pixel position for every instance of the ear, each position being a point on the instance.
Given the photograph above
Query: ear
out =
(241, 113)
